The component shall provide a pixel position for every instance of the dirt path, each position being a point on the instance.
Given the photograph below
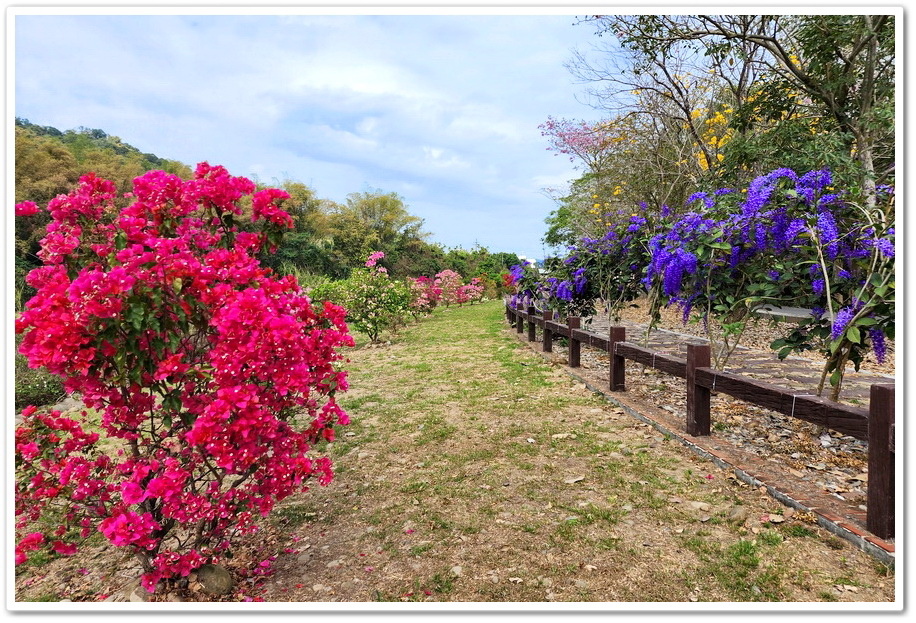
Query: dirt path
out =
(476, 472)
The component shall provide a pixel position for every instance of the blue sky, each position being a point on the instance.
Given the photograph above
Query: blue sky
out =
(441, 109)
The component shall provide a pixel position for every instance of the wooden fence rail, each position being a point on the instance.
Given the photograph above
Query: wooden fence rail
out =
(874, 425)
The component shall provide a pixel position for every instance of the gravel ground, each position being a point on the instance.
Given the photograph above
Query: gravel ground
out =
(759, 334)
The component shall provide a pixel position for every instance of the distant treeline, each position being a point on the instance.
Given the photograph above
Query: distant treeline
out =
(328, 240)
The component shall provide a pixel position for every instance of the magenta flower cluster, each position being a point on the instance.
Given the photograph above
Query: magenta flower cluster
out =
(212, 377)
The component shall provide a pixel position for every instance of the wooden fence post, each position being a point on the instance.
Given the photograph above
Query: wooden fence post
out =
(519, 322)
(531, 330)
(575, 346)
(548, 334)
(880, 518)
(698, 356)
(618, 363)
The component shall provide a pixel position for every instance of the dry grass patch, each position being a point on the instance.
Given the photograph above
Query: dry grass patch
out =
(496, 477)
(474, 471)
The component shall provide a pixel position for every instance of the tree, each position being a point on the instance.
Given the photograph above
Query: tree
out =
(309, 212)
(838, 68)
(671, 91)
(44, 167)
(372, 221)
(415, 257)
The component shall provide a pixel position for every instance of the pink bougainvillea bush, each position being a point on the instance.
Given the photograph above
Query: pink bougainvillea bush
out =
(424, 295)
(449, 283)
(470, 292)
(207, 379)
(452, 289)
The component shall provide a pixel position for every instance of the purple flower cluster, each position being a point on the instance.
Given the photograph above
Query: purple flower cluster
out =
(761, 189)
(885, 246)
(579, 280)
(708, 201)
(884, 189)
(841, 322)
(827, 230)
(636, 224)
(878, 344)
(517, 271)
(677, 264)
(810, 183)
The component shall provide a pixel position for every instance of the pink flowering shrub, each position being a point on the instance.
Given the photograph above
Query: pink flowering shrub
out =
(470, 292)
(448, 282)
(424, 295)
(374, 301)
(373, 259)
(207, 378)
(452, 288)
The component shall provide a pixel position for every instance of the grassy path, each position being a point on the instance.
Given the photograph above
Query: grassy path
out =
(473, 471)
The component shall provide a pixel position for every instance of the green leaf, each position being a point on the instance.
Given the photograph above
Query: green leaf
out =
(854, 336)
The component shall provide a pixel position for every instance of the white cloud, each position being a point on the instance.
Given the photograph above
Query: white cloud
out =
(430, 106)
(443, 159)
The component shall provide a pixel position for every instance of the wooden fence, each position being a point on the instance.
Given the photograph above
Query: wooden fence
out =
(874, 425)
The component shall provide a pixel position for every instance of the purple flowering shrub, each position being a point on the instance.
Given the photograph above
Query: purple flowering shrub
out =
(529, 286)
(787, 240)
(567, 290)
(611, 267)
